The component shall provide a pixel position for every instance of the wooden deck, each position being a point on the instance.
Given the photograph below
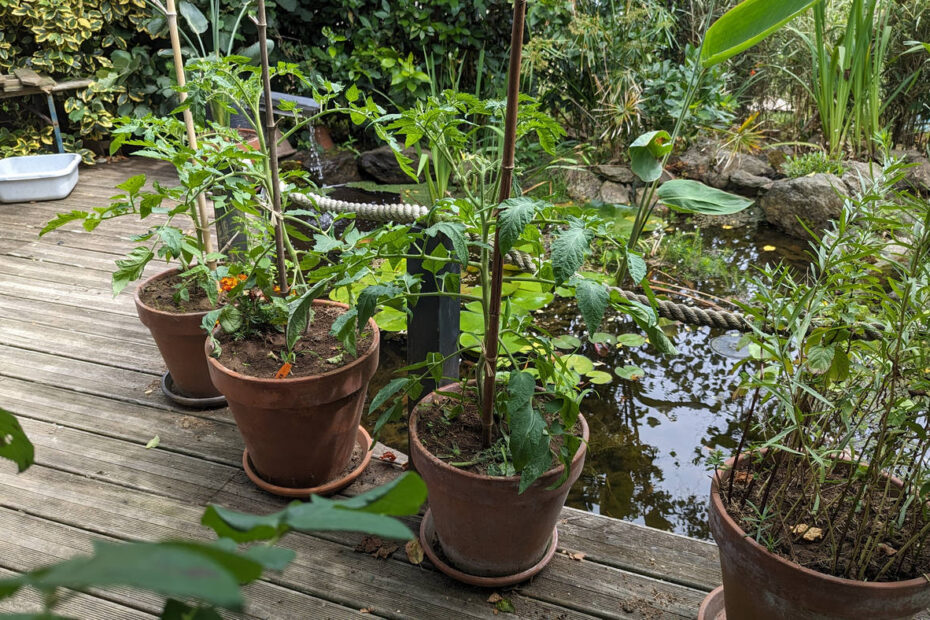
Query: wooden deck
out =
(82, 374)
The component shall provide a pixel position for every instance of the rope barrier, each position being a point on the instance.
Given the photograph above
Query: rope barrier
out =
(405, 213)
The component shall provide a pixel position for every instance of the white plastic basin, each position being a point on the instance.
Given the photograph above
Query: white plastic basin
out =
(38, 177)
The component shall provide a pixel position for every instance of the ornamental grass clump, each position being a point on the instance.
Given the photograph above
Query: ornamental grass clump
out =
(835, 474)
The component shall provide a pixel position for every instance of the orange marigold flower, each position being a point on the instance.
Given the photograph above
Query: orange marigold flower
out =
(228, 283)
(243, 277)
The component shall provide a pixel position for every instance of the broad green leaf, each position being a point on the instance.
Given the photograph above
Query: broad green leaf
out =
(568, 250)
(172, 238)
(177, 610)
(344, 329)
(646, 154)
(391, 320)
(194, 18)
(688, 196)
(636, 266)
(384, 394)
(529, 442)
(455, 232)
(130, 269)
(14, 445)
(746, 24)
(368, 300)
(182, 570)
(631, 340)
(401, 497)
(630, 373)
(566, 342)
(593, 299)
(579, 363)
(272, 558)
(230, 318)
(243, 527)
(61, 219)
(514, 216)
(820, 358)
(599, 377)
(299, 312)
(132, 184)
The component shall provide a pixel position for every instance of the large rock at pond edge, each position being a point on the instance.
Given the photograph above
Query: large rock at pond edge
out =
(746, 184)
(859, 173)
(581, 184)
(918, 176)
(614, 193)
(381, 165)
(616, 173)
(816, 199)
(340, 167)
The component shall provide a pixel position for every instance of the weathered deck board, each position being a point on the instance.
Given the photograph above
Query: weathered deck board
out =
(82, 373)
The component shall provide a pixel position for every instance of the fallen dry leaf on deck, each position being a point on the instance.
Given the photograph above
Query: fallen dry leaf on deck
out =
(153, 442)
(494, 598)
(414, 551)
(374, 546)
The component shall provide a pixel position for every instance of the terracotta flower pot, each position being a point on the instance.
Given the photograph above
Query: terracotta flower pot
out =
(180, 338)
(299, 431)
(760, 584)
(485, 528)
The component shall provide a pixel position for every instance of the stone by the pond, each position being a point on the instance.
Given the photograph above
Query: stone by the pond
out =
(340, 167)
(859, 173)
(616, 173)
(918, 176)
(747, 184)
(581, 184)
(816, 199)
(381, 165)
(615, 193)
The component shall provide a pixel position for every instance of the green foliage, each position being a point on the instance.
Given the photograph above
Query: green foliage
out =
(810, 163)
(211, 574)
(94, 38)
(747, 24)
(839, 384)
(14, 445)
(385, 46)
(685, 256)
(686, 196)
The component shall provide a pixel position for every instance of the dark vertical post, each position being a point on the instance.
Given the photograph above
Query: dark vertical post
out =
(434, 326)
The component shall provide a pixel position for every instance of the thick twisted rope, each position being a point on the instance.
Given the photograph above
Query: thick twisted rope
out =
(405, 213)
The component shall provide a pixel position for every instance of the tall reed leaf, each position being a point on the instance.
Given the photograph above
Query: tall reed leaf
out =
(746, 24)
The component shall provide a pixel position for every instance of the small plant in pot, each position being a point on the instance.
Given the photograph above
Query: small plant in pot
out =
(822, 511)
(172, 304)
(294, 377)
(500, 447)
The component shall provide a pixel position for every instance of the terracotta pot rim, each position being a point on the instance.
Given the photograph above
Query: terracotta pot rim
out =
(510, 480)
(376, 337)
(730, 523)
(164, 274)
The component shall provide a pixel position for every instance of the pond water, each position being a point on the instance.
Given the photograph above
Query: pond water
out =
(650, 437)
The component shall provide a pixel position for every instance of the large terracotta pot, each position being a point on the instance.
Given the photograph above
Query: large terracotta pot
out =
(300, 431)
(485, 528)
(180, 340)
(759, 584)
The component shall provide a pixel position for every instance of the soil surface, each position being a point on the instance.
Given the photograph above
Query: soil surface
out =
(316, 353)
(458, 441)
(816, 552)
(160, 295)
